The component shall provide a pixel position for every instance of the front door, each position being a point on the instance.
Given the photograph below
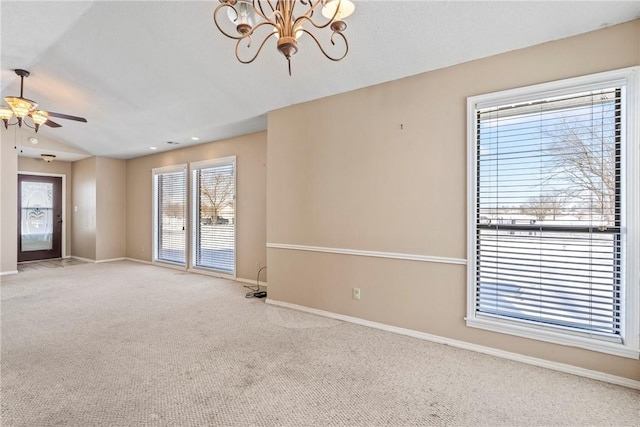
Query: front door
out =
(39, 217)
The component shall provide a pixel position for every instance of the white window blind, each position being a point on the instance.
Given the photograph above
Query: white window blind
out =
(215, 214)
(548, 212)
(170, 213)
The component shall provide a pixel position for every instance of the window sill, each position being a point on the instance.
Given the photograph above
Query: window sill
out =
(556, 337)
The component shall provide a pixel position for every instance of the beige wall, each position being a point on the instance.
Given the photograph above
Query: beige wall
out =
(384, 169)
(111, 192)
(38, 166)
(250, 152)
(8, 202)
(99, 208)
(83, 213)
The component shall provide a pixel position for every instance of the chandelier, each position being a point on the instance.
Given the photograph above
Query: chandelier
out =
(263, 19)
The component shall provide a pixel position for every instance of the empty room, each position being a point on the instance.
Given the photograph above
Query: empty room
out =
(320, 213)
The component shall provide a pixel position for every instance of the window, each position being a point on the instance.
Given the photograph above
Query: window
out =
(169, 217)
(553, 217)
(214, 215)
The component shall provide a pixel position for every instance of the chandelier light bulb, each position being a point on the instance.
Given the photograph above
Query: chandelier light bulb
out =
(243, 16)
(346, 9)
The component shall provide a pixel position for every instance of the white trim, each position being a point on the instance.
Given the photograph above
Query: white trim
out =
(556, 337)
(92, 261)
(630, 329)
(251, 282)
(210, 272)
(168, 264)
(561, 367)
(100, 261)
(141, 261)
(632, 182)
(472, 200)
(63, 245)
(41, 173)
(374, 254)
(8, 273)
(211, 163)
(552, 89)
(169, 169)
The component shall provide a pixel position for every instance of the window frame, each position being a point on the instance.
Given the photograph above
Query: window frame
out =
(629, 78)
(155, 172)
(194, 167)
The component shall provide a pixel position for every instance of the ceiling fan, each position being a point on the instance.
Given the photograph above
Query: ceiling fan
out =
(21, 108)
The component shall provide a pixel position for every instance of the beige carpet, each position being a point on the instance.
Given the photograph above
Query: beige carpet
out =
(125, 344)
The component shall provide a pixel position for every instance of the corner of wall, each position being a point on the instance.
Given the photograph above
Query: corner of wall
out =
(8, 205)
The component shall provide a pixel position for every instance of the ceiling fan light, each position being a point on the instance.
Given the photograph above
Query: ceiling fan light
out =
(39, 117)
(5, 112)
(346, 8)
(20, 106)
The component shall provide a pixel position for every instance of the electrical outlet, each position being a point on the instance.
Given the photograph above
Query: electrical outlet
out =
(355, 293)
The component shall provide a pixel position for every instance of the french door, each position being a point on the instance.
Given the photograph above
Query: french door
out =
(170, 214)
(210, 243)
(214, 215)
(39, 217)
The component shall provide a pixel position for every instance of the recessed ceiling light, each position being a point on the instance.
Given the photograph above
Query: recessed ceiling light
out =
(152, 148)
(33, 140)
(195, 138)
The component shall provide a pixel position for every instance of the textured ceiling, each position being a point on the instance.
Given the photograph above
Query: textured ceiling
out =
(147, 72)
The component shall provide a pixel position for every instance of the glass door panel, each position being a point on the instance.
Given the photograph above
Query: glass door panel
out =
(39, 217)
(36, 227)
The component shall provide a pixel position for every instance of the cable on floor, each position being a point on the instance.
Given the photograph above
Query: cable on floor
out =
(256, 292)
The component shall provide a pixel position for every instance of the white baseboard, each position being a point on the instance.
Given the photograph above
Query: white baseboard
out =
(141, 261)
(7, 273)
(600, 376)
(92, 261)
(251, 282)
(99, 261)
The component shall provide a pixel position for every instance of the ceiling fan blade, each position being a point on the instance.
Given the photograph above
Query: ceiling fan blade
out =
(68, 117)
(52, 124)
